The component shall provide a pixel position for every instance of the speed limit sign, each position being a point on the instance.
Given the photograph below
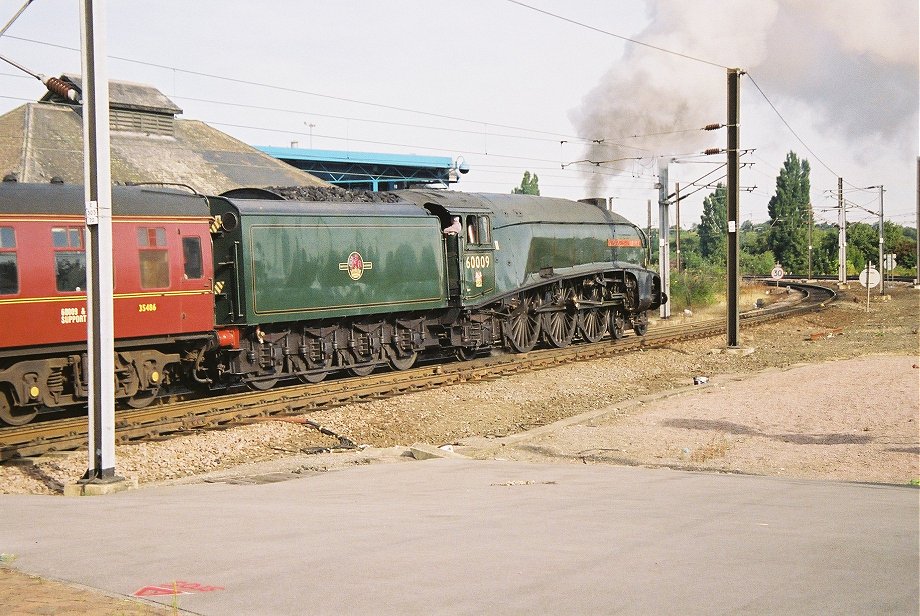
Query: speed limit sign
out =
(777, 272)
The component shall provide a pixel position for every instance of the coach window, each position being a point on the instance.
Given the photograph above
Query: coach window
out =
(154, 258)
(191, 251)
(69, 258)
(9, 272)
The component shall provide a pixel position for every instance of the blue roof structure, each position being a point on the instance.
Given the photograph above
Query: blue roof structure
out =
(370, 170)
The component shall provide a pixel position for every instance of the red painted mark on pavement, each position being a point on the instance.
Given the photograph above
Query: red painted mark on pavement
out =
(175, 588)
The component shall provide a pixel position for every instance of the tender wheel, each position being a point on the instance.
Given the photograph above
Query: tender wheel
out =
(401, 363)
(312, 377)
(262, 385)
(15, 416)
(593, 324)
(617, 326)
(559, 327)
(522, 327)
(359, 370)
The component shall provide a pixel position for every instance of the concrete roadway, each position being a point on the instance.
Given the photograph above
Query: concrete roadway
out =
(458, 536)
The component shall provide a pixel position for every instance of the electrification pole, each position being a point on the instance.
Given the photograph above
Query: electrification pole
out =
(811, 224)
(649, 204)
(881, 238)
(677, 223)
(664, 236)
(98, 192)
(734, 196)
(842, 236)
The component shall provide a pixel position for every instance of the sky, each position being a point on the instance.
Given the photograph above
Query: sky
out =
(546, 86)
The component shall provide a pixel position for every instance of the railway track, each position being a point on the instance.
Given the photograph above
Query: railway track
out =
(236, 408)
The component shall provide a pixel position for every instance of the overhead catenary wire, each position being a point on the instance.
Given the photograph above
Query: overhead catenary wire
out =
(305, 92)
(618, 36)
(580, 139)
(15, 17)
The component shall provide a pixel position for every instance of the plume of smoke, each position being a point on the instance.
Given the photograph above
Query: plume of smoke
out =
(853, 63)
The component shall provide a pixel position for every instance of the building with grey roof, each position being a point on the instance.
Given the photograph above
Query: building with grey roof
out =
(149, 143)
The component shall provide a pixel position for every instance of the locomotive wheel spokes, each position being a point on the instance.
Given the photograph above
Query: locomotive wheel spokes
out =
(559, 327)
(15, 416)
(523, 327)
(593, 324)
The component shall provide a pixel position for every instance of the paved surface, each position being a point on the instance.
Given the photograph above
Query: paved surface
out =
(466, 537)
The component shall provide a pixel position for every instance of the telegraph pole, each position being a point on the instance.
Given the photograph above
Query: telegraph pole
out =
(98, 191)
(733, 193)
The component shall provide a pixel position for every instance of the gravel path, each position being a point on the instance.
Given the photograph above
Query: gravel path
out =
(856, 427)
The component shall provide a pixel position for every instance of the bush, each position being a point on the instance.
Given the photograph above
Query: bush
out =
(696, 289)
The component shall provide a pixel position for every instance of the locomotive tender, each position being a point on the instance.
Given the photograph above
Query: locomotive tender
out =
(251, 288)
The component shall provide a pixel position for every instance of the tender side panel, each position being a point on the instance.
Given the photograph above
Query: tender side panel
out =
(314, 267)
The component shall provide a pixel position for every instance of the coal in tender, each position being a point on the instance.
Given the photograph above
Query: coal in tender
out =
(333, 193)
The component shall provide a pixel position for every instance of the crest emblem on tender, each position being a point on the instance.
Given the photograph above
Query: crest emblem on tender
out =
(355, 265)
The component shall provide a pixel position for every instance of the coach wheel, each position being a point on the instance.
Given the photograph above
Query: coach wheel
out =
(522, 327)
(142, 399)
(593, 324)
(13, 415)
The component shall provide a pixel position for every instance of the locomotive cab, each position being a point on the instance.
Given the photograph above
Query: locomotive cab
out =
(477, 262)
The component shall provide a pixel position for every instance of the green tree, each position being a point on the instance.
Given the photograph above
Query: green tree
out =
(862, 245)
(789, 211)
(713, 229)
(530, 185)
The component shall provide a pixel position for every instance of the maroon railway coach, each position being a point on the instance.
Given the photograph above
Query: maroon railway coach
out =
(163, 299)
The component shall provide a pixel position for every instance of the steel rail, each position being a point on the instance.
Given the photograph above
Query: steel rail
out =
(236, 408)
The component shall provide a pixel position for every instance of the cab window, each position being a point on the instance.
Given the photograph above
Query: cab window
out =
(69, 258)
(9, 270)
(478, 230)
(154, 258)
